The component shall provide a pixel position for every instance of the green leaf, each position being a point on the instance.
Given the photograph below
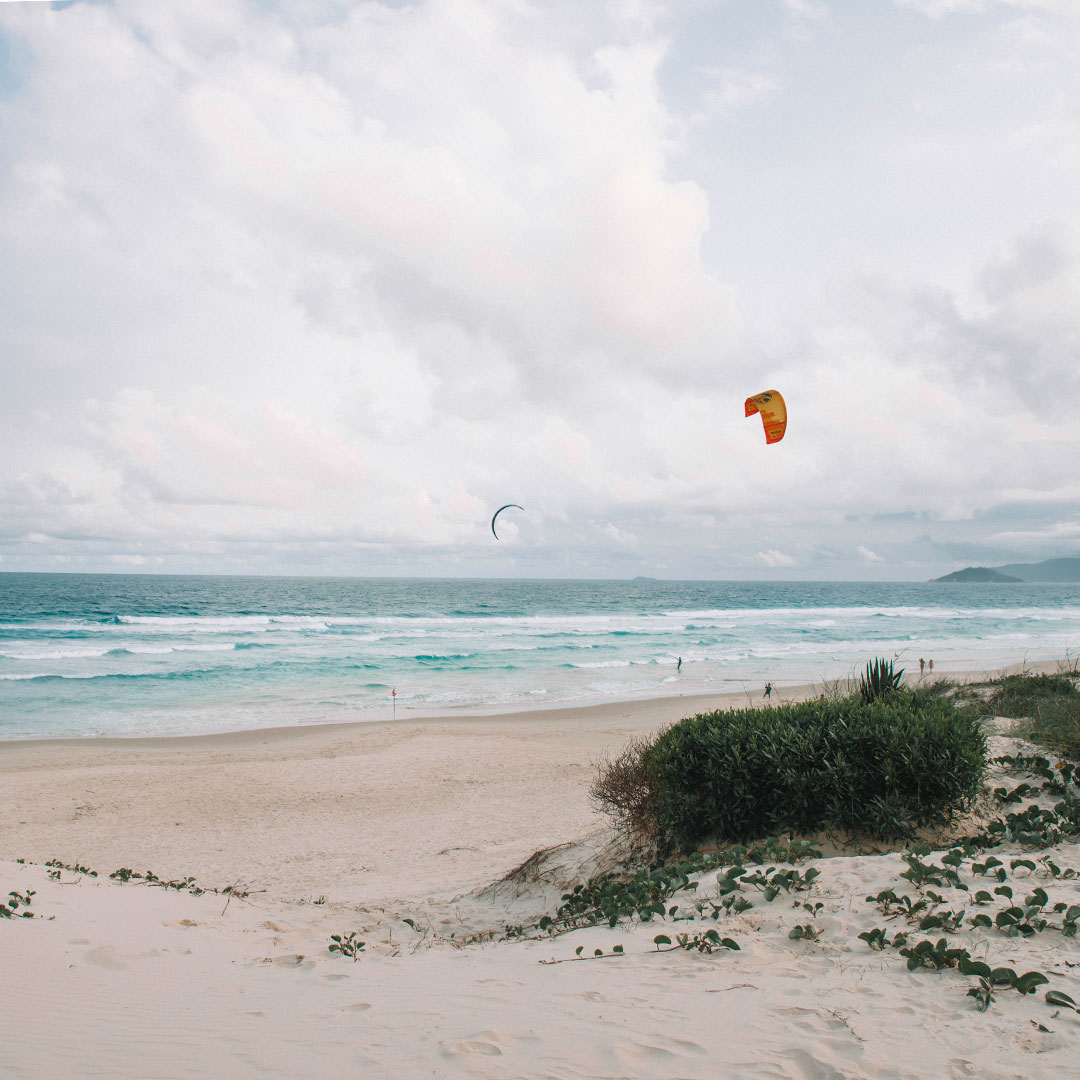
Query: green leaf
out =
(1029, 980)
(1056, 997)
(660, 939)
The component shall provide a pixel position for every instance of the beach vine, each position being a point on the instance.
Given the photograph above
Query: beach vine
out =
(1001, 912)
(16, 900)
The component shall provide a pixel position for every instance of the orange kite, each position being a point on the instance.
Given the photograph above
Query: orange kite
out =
(773, 413)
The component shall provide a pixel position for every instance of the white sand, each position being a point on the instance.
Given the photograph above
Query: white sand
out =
(391, 821)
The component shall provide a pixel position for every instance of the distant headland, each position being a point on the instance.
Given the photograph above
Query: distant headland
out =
(1051, 570)
(977, 573)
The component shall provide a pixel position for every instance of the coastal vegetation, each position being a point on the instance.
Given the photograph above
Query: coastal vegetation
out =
(1048, 705)
(967, 893)
(880, 763)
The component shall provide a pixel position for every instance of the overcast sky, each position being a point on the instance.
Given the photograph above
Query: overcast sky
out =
(314, 286)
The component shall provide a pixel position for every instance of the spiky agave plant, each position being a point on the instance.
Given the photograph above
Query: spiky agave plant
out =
(879, 680)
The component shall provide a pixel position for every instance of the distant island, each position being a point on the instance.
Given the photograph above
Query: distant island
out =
(977, 573)
(1052, 570)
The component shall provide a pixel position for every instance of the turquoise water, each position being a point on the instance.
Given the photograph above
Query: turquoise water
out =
(153, 655)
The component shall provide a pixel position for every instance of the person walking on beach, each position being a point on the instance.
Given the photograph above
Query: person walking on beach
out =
(768, 690)
(931, 667)
(678, 666)
(922, 665)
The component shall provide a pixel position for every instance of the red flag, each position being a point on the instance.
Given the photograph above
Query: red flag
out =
(393, 693)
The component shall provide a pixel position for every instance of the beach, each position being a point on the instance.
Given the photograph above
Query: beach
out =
(356, 828)
(361, 813)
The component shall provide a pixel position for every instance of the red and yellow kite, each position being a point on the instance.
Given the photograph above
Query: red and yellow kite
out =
(773, 413)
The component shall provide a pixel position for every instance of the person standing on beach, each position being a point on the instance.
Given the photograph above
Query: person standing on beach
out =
(931, 667)
(678, 666)
(768, 690)
(922, 665)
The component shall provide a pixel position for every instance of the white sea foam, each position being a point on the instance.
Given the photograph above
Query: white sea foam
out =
(309, 667)
(29, 652)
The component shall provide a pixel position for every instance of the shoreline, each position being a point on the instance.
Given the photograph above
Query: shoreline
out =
(661, 705)
(362, 812)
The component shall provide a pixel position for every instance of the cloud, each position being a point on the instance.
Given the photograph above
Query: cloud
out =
(775, 558)
(1052, 536)
(620, 537)
(867, 555)
(320, 286)
(937, 8)
(805, 9)
(733, 89)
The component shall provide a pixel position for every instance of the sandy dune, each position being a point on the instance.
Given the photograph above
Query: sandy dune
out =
(382, 823)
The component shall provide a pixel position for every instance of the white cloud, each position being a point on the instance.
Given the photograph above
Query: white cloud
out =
(732, 89)
(134, 560)
(299, 286)
(805, 9)
(775, 558)
(620, 537)
(1053, 534)
(937, 8)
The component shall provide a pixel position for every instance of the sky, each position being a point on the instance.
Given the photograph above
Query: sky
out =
(314, 286)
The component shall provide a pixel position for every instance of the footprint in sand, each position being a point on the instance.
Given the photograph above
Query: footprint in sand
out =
(1038, 1042)
(482, 1044)
(654, 1054)
(293, 960)
(105, 956)
(804, 1066)
(473, 1046)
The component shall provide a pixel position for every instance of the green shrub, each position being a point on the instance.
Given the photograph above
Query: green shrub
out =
(879, 769)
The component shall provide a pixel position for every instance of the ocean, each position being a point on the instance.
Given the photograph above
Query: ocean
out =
(134, 655)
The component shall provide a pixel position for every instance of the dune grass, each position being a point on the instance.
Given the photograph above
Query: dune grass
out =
(1049, 706)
